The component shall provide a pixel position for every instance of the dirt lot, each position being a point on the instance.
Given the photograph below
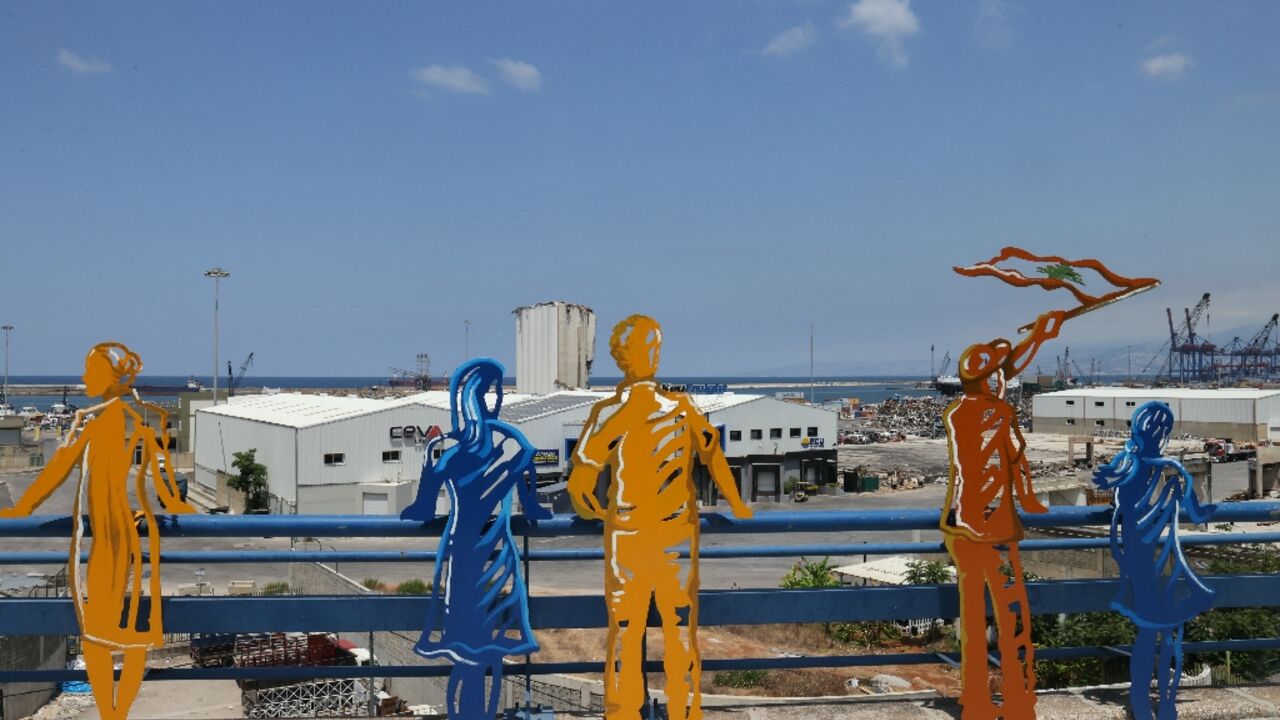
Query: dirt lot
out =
(763, 641)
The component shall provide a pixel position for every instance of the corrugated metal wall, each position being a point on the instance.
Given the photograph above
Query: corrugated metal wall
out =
(767, 413)
(1213, 411)
(218, 438)
(362, 441)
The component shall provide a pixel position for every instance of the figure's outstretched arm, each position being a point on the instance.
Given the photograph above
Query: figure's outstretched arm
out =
(53, 475)
(1046, 328)
(430, 481)
(709, 452)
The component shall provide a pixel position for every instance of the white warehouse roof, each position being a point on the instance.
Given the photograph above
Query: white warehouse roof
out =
(298, 410)
(1170, 392)
(890, 570)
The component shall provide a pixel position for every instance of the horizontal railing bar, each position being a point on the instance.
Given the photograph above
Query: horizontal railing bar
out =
(715, 552)
(370, 613)
(332, 526)
(710, 665)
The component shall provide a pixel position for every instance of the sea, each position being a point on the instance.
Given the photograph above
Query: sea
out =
(867, 389)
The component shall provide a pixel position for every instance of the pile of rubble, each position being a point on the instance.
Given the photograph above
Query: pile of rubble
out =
(920, 416)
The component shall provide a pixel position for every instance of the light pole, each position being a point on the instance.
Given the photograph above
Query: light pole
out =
(217, 274)
(6, 329)
(466, 347)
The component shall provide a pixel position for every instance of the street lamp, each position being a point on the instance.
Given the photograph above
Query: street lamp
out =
(6, 329)
(217, 274)
(466, 348)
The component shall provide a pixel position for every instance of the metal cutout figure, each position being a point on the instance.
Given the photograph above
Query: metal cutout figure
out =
(479, 611)
(108, 591)
(1158, 590)
(649, 437)
(990, 479)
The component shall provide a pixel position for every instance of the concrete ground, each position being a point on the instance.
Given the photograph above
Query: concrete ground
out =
(185, 699)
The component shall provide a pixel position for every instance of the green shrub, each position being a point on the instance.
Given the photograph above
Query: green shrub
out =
(372, 584)
(413, 587)
(740, 678)
(276, 588)
(811, 574)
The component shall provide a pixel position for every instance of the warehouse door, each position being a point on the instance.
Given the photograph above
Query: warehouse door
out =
(375, 503)
(766, 481)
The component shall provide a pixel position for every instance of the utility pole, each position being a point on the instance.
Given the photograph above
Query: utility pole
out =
(6, 329)
(217, 274)
(810, 364)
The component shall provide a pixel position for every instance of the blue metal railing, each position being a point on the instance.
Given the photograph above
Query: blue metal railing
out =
(371, 613)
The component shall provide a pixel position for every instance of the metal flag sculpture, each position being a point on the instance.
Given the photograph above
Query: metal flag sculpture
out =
(108, 592)
(650, 438)
(990, 479)
(479, 610)
(1158, 590)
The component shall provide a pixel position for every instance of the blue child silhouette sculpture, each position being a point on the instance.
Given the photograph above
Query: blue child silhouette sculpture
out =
(479, 604)
(1158, 590)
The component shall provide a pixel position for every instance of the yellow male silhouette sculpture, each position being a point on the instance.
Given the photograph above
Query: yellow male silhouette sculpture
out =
(648, 437)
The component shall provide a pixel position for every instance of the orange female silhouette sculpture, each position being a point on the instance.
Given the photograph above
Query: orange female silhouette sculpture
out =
(649, 437)
(108, 594)
(990, 479)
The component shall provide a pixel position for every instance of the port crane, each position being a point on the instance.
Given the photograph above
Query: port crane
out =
(1091, 377)
(1191, 356)
(942, 366)
(1255, 359)
(233, 383)
(1187, 356)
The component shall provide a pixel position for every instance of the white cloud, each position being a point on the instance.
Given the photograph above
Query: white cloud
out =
(519, 75)
(994, 27)
(1168, 66)
(454, 78)
(889, 21)
(790, 42)
(80, 65)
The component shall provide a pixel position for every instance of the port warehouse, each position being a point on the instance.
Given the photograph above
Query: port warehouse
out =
(1242, 414)
(333, 454)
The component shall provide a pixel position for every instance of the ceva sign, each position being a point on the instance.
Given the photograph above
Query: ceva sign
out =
(414, 433)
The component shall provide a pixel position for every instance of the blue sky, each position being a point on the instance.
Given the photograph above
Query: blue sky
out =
(374, 174)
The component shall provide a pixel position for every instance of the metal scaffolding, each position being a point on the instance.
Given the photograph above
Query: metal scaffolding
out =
(341, 697)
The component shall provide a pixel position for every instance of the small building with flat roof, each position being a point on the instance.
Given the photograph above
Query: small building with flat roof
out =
(1242, 414)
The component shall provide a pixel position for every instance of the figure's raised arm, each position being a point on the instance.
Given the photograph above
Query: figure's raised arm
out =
(1045, 329)
(53, 475)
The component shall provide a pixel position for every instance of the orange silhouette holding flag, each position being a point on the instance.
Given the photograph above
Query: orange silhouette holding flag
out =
(649, 437)
(990, 479)
(109, 591)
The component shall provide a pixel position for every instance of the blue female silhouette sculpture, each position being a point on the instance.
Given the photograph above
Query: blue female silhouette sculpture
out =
(1158, 590)
(479, 605)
